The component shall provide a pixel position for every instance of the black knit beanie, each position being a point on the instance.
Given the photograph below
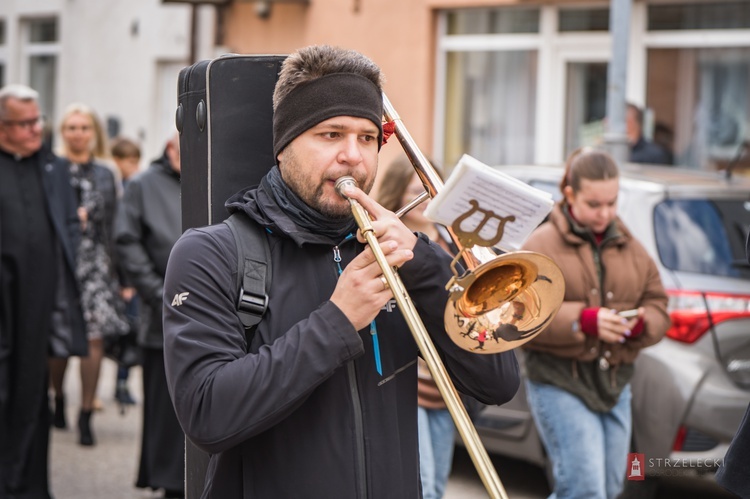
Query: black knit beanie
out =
(336, 94)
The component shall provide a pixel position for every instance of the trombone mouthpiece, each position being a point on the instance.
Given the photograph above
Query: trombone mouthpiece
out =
(346, 180)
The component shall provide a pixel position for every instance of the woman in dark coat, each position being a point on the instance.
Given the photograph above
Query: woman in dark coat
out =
(94, 185)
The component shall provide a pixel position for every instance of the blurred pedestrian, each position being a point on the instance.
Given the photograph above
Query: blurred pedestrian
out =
(148, 225)
(664, 138)
(83, 143)
(127, 157)
(641, 149)
(579, 368)
(39, 308)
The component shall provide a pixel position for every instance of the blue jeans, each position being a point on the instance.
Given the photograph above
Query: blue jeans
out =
(588, 450)
(436, 440)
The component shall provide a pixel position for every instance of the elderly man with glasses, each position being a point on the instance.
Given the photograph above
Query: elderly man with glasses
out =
(39, 308)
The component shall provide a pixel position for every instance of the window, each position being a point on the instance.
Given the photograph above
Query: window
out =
(43, 31)
(493, 21)
(40, 53)
(586, 104)
(42, 73)
(594, 19)
(700, 97)
(703, 236)
(713, 15)
(491, 106)
(488, 87)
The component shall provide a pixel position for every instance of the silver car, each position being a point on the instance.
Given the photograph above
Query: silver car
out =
(691, 390)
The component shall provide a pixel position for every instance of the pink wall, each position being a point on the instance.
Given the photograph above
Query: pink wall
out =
(400, 39)
(399, 35)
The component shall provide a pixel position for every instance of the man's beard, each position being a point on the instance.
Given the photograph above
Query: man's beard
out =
(336, 212)
(313, 197)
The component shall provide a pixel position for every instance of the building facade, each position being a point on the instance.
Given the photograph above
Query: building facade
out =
(524, 81)
(507, 81)
(119, 57)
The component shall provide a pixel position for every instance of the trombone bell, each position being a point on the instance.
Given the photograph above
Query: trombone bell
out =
(504, 302)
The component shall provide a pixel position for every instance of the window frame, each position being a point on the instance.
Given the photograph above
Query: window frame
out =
(554, 50)
(30, 49)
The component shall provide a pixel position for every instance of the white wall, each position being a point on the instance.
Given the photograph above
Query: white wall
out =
(117, 56)
(109, 60)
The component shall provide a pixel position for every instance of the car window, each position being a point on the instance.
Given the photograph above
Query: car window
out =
(703, 236)
(552, 188)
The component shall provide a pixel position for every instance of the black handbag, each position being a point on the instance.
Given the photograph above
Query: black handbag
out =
(123, 348)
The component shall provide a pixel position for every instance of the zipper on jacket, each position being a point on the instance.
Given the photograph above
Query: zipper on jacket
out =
(359, 432)
(373, 326)
(337, 259)
(376, 347)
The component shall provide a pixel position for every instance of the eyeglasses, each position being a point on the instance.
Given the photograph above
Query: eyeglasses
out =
(25, 124)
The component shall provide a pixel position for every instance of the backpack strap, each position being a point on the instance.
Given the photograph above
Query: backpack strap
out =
(253, 269)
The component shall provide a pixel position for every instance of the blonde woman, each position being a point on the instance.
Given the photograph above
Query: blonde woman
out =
(83, 142)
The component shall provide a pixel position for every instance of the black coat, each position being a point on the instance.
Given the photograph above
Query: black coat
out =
(68, 333)
(734, 473)
(302, 411)
(41, 309)
(148, 223)
(644, 151)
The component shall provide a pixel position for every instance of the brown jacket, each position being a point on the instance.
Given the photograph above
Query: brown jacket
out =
(630, 279)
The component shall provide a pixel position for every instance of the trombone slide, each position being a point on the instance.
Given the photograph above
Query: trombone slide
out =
(430, 354)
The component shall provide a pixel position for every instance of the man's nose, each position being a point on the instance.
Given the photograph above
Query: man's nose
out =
(350, 151)
(609, 212)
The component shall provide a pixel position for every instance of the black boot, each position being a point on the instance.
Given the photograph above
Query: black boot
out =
(59, 419)
(122, 393)
(86, 437)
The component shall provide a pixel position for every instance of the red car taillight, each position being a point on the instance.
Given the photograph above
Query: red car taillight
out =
(689, 311)
(679, 439)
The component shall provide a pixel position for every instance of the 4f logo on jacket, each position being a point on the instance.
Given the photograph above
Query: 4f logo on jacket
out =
(179, 298)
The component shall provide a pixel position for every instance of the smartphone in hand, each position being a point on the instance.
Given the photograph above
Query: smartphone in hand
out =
(628, 314)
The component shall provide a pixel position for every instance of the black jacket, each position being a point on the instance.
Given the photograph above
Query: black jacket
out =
(305, 413)
(644, 151)
(68, 331)
(40, 315)
(734, 473)
(148, 223)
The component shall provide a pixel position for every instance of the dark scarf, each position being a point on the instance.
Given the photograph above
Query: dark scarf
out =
(165, 165)
(300, 213)
(584, 232)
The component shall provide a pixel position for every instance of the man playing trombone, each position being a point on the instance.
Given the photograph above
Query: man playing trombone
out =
(320, 399)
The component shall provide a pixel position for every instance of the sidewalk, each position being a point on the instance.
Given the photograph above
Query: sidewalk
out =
(109, 469)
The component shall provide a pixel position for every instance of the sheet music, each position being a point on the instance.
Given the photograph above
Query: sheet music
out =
(494, 191)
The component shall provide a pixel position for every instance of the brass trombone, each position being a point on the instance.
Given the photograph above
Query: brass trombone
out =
(493, 301)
